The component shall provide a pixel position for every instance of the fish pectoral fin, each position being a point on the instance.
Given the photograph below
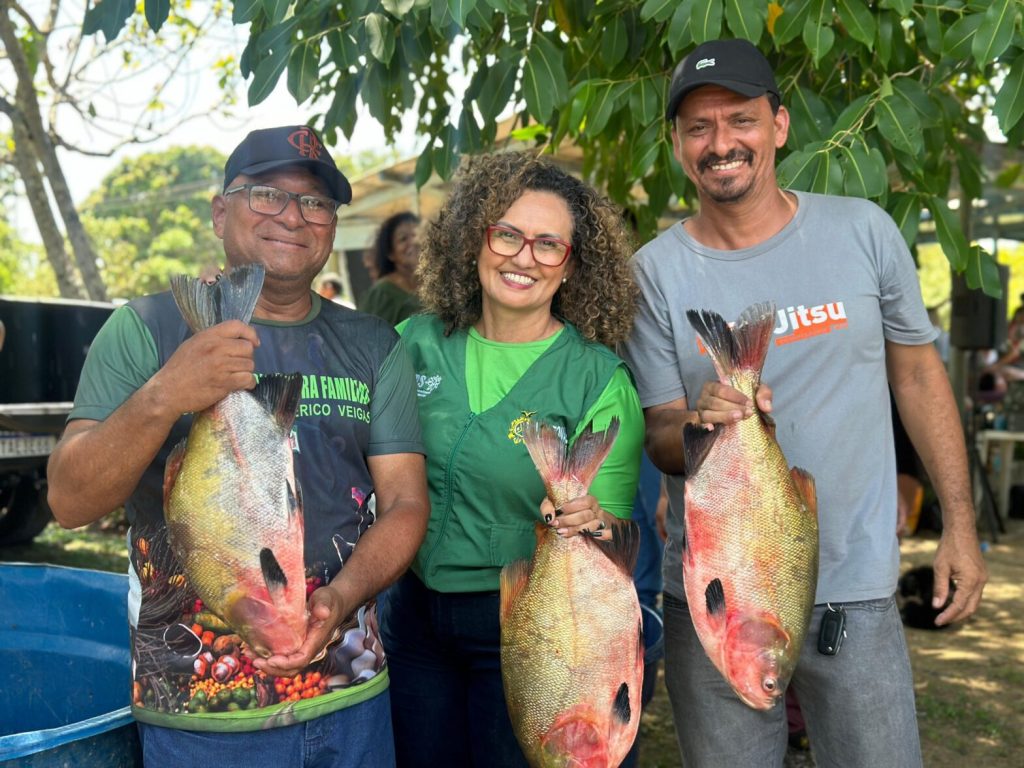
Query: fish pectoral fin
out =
(714, 597)
(621, 708)
(624, 548)
(804, 482)
(273, 574)
(172, 468)
(279, 394)
(697, 442)
(511, 582)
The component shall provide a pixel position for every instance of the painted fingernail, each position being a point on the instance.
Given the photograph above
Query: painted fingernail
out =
(558, 512)
(601, 526)
(547, 518)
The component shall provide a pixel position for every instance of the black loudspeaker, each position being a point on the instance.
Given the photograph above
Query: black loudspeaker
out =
(978, 321)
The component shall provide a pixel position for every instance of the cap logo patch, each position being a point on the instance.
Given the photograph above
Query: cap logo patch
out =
(307, 143)
(705, 63)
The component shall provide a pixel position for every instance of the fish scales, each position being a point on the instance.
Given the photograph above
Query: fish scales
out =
(571, 643)
(750, 557)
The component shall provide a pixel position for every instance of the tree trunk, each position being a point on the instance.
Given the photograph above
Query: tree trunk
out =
(31, 139)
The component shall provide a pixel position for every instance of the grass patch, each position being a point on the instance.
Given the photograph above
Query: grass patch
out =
(82, 548)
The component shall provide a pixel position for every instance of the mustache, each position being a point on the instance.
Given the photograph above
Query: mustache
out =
(707, 161)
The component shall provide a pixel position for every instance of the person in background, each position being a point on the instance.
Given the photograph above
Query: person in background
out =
(525, 281)
(330, 288)
(850, 323)
(393, 296)
(356, 438)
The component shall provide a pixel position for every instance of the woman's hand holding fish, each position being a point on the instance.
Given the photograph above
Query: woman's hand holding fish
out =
(208, 366)
(326, 613)
(721, 404)
(580, 515)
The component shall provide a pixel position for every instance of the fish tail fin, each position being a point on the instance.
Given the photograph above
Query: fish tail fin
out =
(511, 582)
(697, 442)
(232, 297)
(563, 471)
(279, 393)
(624, 547)
(740, 349)
(804, 482)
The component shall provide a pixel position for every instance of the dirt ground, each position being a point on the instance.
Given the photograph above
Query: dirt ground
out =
(969, 680)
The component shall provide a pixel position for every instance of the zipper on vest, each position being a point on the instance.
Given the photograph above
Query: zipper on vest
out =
(448, 492)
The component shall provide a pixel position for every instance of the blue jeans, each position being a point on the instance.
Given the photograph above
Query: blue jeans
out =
(444, 663)
(858, 704)
(356, 737)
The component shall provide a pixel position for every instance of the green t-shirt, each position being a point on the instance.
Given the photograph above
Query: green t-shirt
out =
(389, 302)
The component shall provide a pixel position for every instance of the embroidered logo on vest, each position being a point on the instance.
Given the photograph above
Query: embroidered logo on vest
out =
(425, 385)
(515, 429)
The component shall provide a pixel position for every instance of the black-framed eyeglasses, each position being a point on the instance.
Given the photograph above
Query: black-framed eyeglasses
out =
(270, 201)
(549, 251)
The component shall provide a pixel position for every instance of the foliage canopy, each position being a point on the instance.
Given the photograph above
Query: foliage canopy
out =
(887, 98)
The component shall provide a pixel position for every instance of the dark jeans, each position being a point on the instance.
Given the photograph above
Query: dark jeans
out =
(444, 660)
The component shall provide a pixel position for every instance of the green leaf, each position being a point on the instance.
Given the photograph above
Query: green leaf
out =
(828, 179)
(1009, 105)
(902, 7)
(498, 89)
(381, 37)
(424, 167)
(580, 105)
(906, 212)
(958, 41)
(397, 8)
(644, 151)
(444, 156)
(303, 70)
(706, 20)
(601, 108)
(647, 100)
(798, 170)
(156, 13)
(276, 9)
(886, 29)
(265, 78)
(342, 112)
(544, 82)
(278, 36)
(857, 19)
(982, 271)
(863, 171)
(808, 117)
(244, 11)
(107, 17)
(791, 23)
(818, 38)
(459, 10)
(917, 96)
(849, 117)
(614, 42)
(995, 32)
(659, 10)
(948, 232)
(470, 139)
(745, 18)
(933, 29)
(899, 124)
(679, 35)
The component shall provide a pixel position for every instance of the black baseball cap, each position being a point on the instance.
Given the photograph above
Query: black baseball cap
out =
(270, 148)
(733, 64)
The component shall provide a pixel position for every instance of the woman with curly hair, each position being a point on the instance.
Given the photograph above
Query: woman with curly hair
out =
(393, 294)
(525, 282)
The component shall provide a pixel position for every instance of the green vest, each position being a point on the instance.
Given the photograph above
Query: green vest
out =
(485, 492)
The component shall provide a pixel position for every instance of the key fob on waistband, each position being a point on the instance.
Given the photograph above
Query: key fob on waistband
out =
(833, 630)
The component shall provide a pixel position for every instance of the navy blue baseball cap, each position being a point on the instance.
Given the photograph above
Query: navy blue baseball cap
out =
(290, 145)
(733, 64)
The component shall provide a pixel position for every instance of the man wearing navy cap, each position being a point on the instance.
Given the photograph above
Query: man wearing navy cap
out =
(200, 694)
(849, 323)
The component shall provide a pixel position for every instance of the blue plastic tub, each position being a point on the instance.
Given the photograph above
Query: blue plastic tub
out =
(65, 679)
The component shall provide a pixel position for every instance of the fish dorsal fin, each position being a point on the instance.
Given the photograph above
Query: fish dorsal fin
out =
(804, 482)
(620, 708)
(232, 297)
(697, 442)
(624, 547)
(567, 473)
(273, 574)
(172, 467)
(738, 351)
(511, 582)
(279, 393)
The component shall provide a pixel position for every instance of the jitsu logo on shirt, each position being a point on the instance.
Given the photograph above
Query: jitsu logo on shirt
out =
(425, 385)
(800, 322)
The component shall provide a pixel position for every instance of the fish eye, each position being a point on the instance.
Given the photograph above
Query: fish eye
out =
(769, 684)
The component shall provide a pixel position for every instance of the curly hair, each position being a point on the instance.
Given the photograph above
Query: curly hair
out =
(599, 298)
(384, 242)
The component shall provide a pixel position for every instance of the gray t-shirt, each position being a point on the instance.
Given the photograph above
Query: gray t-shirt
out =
(843, 283)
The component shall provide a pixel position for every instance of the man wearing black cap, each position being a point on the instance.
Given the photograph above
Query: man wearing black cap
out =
(849, 321)
(357, 459)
